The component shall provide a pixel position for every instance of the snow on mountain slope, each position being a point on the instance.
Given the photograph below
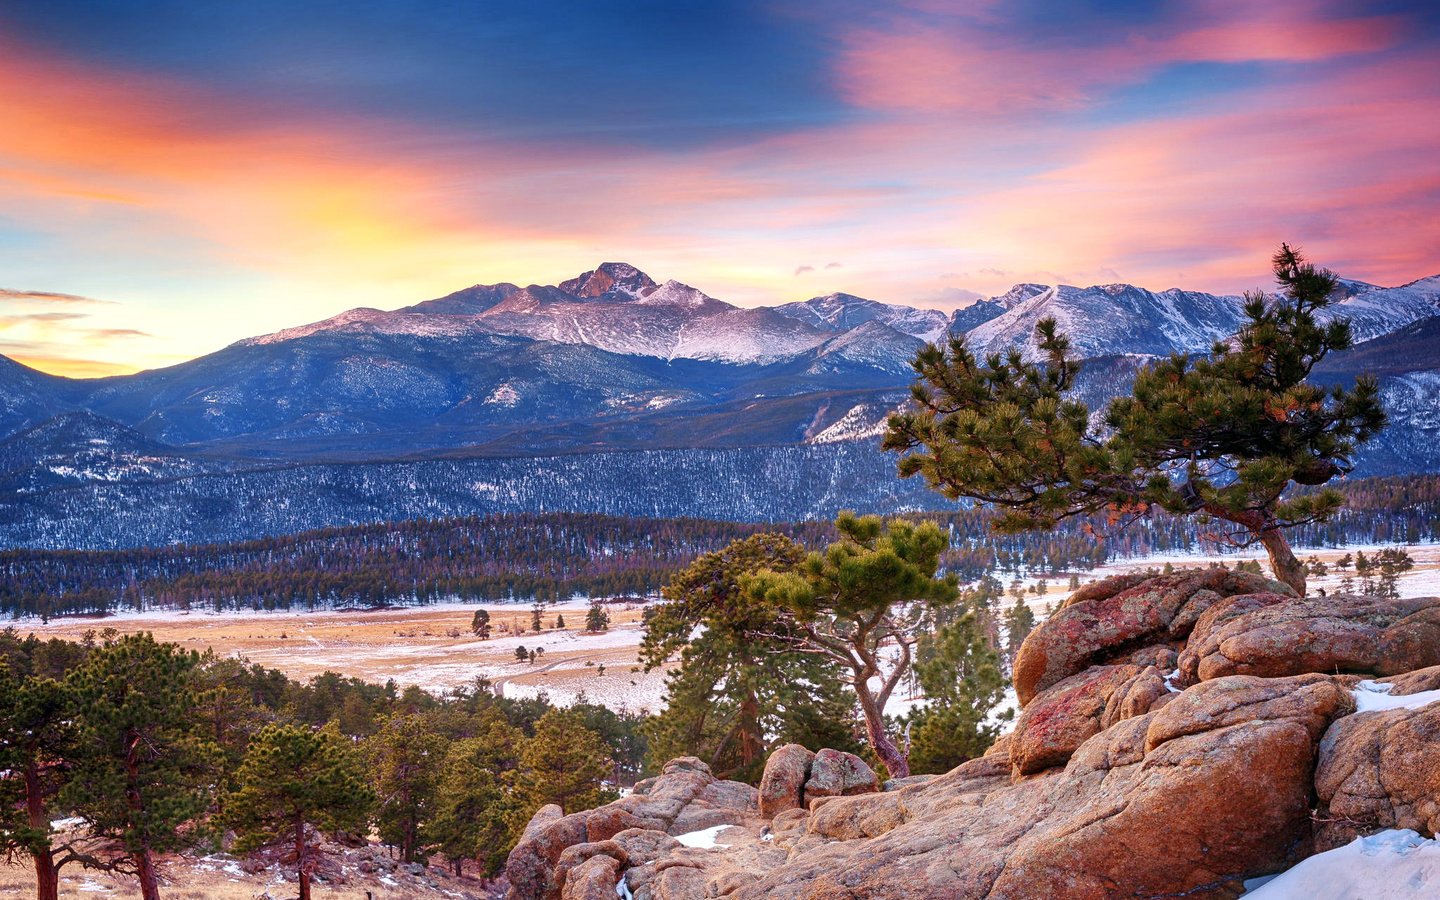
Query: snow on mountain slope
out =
(841, 312)
(1112, 319)
(1380, 311)
(873, 345)
(366, 320)
(80, 447)
(976, 314)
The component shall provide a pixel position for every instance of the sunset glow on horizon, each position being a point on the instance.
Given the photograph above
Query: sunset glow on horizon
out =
(177, 176)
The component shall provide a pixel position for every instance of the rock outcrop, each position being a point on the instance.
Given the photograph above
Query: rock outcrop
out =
(1175, 734)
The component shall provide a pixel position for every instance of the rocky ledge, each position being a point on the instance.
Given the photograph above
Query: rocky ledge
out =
(1179, 735)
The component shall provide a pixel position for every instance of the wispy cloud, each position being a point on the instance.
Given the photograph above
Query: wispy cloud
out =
(938, 63)
(16, 318)
(45, 297)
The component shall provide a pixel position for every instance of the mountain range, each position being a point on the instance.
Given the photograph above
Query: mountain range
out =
(612, 363)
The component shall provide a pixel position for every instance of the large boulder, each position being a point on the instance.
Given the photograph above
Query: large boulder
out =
(835, 773)
(782, 786)
(530, 868)
(1106, 621)
(1379, 770)
(1187, 801)
(1066, 715)
(1339, 633)
(685, 797)
(592, 880)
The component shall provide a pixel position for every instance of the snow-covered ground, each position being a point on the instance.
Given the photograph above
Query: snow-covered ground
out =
(130, 617)
(1391, 865)
(1422, 581)
(704, 839)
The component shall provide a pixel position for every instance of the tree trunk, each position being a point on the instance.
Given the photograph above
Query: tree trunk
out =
(145, 869)
(1262, 527)
(895, 761)
(302, 866)
(1282, 559)
(752, 744)
(47, 880)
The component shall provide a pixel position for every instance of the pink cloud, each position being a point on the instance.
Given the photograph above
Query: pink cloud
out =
(1346, 167)
(915, 65)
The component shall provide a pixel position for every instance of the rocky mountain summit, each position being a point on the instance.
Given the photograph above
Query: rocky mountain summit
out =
(1180, 736)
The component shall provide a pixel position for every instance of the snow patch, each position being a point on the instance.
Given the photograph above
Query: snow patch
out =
(703, 839)
(1391, 865)
(1372, 696)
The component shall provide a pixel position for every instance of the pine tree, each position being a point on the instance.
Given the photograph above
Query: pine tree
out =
(739, 688)
(1391, 562)
(535, 623)
(560, 620)
(870, 590)
(1222, 437)
(295, 777)
(225, 713)
(1365, 571)
(597, 619)
(1018, 623)
(473, 808)
(139, 775)
(37, 732)
(564, 763)
(959, 672)
(405, 758)
(480, 624)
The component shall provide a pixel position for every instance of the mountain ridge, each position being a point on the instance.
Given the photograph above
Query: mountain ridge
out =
(537, 374)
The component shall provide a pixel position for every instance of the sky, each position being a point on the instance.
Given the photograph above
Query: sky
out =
(178, 174)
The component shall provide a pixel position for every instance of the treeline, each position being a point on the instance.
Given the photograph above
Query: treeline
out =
(559, 555)
(158, 750)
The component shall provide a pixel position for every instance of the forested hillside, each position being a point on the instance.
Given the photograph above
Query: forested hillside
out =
(558, 555)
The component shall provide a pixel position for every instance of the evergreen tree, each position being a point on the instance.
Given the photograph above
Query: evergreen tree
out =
(959, 672)
(473, 809)
(139, 776)
(1347, 581)
(36, 738)
(597, 619)
(870, 590)
(295, 777)
(405, 758)
(739, 689)
(1019, 621)
(564, 763)
(1223, 436)
(1391, 562)
(480, 624)
(1365, 571)
(559, 620)
(225, 712)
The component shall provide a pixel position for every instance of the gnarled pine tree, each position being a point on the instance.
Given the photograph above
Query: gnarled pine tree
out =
(1223, 436)
(862, 605)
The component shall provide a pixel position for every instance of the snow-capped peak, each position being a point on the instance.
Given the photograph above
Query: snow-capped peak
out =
(676, 294)
(612, 278)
